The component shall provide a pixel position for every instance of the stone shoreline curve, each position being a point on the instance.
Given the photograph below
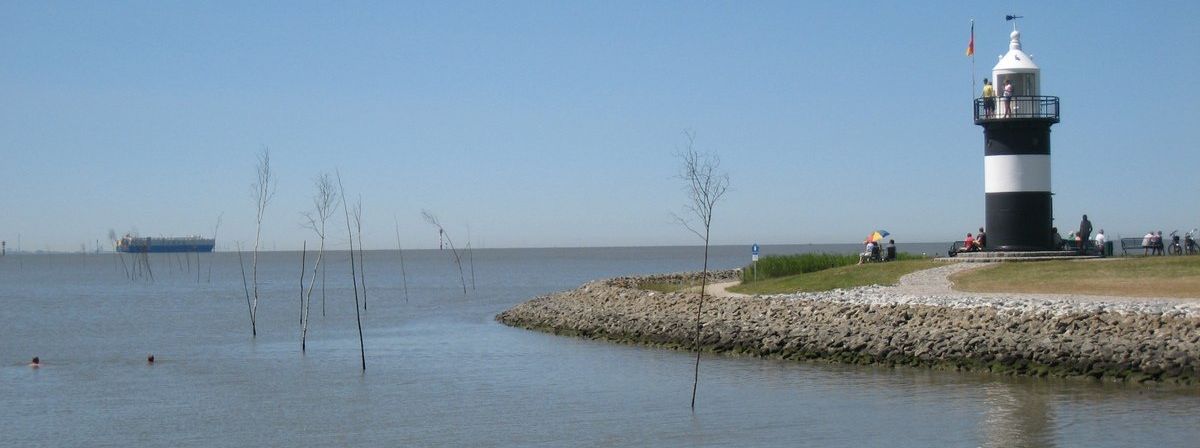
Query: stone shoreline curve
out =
(919, 322)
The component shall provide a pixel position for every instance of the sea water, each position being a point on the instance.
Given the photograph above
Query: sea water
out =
(441, 372)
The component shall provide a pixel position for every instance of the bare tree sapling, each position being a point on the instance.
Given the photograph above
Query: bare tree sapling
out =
(263, 191)
(324, 204)
(705, 186)
(433, 220)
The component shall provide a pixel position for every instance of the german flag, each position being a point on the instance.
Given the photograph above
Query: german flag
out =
(971, 44)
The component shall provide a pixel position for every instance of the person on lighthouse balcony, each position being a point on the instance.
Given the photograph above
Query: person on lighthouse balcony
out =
(989, 98)
(1008, 93)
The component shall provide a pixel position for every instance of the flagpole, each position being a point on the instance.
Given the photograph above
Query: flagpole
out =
(972, 63)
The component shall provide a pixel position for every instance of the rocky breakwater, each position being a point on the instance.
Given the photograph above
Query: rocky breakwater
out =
(1119, 339)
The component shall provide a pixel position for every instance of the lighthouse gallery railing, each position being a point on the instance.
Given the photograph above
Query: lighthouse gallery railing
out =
(1016, 107)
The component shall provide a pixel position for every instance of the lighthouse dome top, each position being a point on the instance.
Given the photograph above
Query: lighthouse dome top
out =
(1016, 60)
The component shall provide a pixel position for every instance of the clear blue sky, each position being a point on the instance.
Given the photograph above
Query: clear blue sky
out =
(555, 123)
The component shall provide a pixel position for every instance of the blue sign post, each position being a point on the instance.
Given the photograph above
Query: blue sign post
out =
(754, 259)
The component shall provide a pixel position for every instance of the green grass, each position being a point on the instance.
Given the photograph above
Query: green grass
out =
(1128, 277)
(773, 266)
(838, 277)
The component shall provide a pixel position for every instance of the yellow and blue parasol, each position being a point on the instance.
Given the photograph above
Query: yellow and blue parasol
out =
(877, 235)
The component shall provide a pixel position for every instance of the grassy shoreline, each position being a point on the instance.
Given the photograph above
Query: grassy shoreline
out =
(1159, 277)
(837, 277)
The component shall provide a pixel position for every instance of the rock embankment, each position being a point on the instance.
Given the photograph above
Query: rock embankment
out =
(1123, 340)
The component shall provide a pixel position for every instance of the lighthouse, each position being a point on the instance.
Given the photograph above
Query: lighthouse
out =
(1016, 149)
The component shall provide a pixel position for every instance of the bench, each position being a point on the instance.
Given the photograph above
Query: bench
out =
(1132, 243)
(955, 248)
(875, 256)
(1066, 245)
(880, 254)
(1094, 249)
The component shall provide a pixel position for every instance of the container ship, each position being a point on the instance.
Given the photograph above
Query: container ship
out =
(130, 243)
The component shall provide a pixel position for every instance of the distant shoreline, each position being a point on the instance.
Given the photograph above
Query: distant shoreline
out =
(1131, 340)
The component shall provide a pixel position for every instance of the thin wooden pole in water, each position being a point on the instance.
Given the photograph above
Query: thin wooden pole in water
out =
(308, 298)
(471, 257)
(322, 288)
(213, 252)
(303, 253)
(124, 266)
(362, 265)
(149, 270)
(245, 287)
(699, 310)
(433, 220)
(400, 250)
(353, 276)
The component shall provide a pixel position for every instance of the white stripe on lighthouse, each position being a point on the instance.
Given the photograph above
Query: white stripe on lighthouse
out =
(1016, 173)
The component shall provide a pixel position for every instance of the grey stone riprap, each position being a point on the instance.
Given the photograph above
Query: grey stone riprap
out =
(919, 322)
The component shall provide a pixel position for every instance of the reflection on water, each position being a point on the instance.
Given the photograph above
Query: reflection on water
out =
(1014, 418)
(442, 372)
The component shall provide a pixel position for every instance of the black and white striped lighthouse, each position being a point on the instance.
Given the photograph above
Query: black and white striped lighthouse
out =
(1016, 163)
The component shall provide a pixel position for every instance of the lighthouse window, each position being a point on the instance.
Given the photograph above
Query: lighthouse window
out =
(1025, 84)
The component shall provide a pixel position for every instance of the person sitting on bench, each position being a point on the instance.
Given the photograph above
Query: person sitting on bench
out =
(969, 244)
(869, 252)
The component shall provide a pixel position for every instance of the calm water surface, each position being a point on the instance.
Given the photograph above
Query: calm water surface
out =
(441, 372)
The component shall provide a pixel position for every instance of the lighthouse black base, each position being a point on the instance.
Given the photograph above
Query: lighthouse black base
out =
(1019, 221)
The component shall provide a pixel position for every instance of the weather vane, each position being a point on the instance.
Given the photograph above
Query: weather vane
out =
(1012, 18)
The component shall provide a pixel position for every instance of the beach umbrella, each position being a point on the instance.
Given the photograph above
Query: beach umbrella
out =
(877, 235)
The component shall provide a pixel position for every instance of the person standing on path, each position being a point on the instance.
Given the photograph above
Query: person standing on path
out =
(1100, 240)
(1085, 231)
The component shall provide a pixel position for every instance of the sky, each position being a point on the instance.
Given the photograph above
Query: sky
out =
(558, 123)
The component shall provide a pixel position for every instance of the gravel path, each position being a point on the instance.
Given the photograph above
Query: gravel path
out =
(721, 289)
